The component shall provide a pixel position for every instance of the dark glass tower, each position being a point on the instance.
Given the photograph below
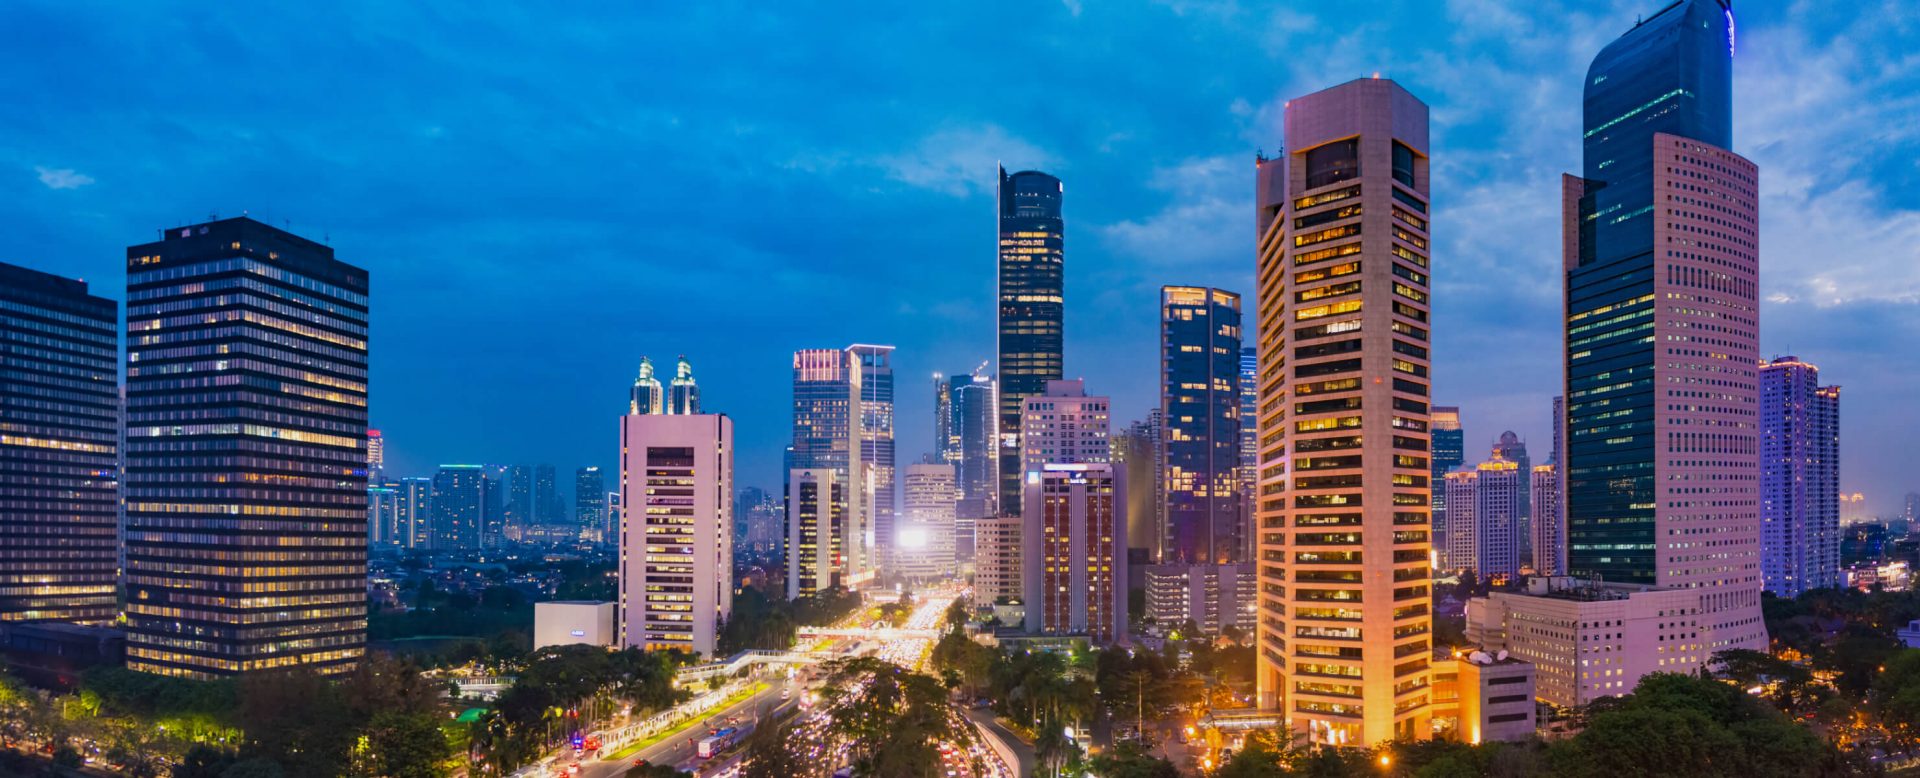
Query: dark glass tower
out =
(1032, 291)
(59, 432)
(459, 501)
(1200, 401)
(246, 462)
(1672, 74)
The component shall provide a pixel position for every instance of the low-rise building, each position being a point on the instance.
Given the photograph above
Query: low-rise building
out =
(1486, 695)
(573, 622)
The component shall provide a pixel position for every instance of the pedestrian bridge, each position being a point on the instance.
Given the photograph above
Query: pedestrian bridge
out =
(742, 661)
(884, 633)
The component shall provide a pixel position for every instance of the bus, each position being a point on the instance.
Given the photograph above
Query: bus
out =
(716, 743)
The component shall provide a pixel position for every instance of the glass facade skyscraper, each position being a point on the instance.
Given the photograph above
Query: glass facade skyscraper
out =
(246, 461)
(876, 438)
(1032, 295)
(1670, 75)
(459, 500)
(1449, 452)
(59, 443)
(1200, 447)
(827, 417)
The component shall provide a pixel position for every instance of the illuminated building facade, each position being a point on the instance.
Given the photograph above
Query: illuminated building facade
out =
(647, 396)
(1345, 622)
(1483, 522)
(416, 512)
(59, 443)
(459, 502)
(590, 499)
(817, 514)
(1549, 528)
(246, 460)
(1449, 452)
(683, 395)
(1661, 463)
(517, 510)
(923, 543)
(1064, 426)
(676, 550)
(1511, 448)
(1799, 478)
(998, 563)
(827, 435)
(1200, 442)
(1249, 445)
(1074, 552)
(1032, 308)
(876, 445)
(376, 455)
(973, 423)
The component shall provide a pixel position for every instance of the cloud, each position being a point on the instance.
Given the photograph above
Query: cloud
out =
(959, 160)
(1208, 219)
(62, 178)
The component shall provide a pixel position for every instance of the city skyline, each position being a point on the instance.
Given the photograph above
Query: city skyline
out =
(1144, 210)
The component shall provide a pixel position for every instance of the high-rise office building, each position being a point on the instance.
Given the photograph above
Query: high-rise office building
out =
(1249, 445)
(383, 516)
(876, 443)
(923, 544)
(1799, 478)
(459, 500)
(590, 498)
(1449, 452)
(998, 561)
(416, 512)
(1032, 309)
(975, 426)
(547, 508)
(817, 524)
(1200, 403)
(1511, 448)
(1343, 263)
(683, 395)
(1074, 552)
(1660, 242)
(1136, 450)
(1549, 542)
(676, 553)
(946, 444)
(1064, 426)
(518, 506)
(827, 435)
(1483, 522)
(493, 512)
(647, 395)
(376, 456)
(246, 423)
(59, 444)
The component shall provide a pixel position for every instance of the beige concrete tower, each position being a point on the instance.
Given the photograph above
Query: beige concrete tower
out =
(1345, 611)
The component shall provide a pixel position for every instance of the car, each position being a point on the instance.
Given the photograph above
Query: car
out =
(785, 694)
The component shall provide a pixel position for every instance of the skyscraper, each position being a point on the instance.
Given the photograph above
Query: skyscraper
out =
(683, 395)
(1511, 448)
(1799, 478)
(1136, 450)
(416, 512)
(590, 498)
(1200, 401)
(246, 423)
(383, 515)
(459, 501)
(817, 523)
(518, 507)
(647, 396)
(1073, 548)
(1249, 444)
(59, 443)
(946, 444)
(1342, 240)
(676, 554)
(923, 545)
(1483, 523)
(376, 455)
(1032, 307)
(976, 459)
(1449, 452)
(827, 417)
(547, 508)
(1660, 466)
(1549, 542)
(876, 441)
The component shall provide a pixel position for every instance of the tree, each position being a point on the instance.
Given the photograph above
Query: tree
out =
(408, 745)
(299, 720)
(1128, 760)
(1896, 696)
(890, 718)
(775, 752)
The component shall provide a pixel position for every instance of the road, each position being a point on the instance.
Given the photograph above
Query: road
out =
(679, 750)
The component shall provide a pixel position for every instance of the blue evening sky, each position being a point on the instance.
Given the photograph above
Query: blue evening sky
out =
(544, 192)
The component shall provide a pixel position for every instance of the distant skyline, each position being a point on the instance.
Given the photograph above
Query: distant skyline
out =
(541, 199)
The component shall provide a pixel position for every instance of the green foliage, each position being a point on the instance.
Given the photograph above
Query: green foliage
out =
(123, 692)
(581, 684)
(892, 718)
(761, 622)
(1677, 724)
(776, 752)
(408, 745)
(1896, 695)
(1129, 760)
